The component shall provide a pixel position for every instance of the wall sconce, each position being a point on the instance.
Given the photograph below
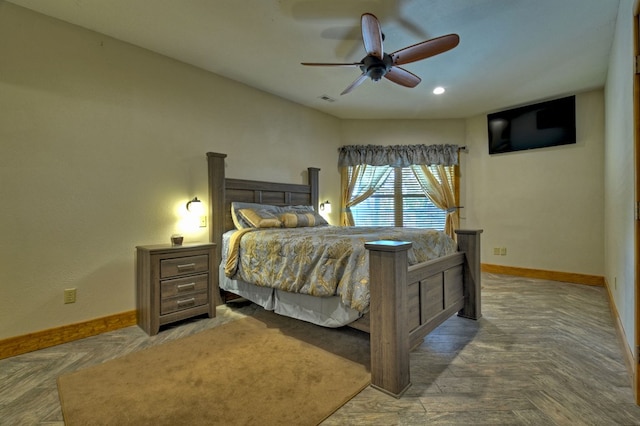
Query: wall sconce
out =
(195, 206)
(325, 207)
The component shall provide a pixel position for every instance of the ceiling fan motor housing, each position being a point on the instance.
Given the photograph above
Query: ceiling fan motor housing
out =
(375, 68)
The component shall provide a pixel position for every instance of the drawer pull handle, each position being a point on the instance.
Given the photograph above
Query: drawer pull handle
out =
(183, 287)
(187, 266)
(187, 301)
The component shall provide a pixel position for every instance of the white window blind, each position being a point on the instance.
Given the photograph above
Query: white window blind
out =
(399, 202)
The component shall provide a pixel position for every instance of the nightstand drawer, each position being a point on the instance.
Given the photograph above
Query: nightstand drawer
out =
(183, 265)
(179, 303)
(182, 286)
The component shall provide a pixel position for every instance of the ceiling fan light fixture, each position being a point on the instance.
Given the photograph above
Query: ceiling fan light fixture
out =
(438, 90)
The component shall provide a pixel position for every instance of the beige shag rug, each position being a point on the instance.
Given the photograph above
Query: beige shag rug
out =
(260, 370)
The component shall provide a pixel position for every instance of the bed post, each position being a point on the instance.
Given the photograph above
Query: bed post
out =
(313, 180)
(216, 205)
(389, 336)
(469, 243)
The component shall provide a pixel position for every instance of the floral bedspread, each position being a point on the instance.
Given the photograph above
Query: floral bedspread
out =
(323, 260)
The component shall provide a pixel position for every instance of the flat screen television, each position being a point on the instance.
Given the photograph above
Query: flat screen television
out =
(540, 125)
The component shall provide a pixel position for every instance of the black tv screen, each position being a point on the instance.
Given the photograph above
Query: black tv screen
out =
(540, 125)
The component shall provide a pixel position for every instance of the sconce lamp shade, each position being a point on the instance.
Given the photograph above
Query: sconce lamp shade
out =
(195, 206)
(325, 207)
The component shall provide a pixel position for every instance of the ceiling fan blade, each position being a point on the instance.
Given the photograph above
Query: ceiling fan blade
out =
(358, 81)
(426, 49)
(372, 35)
(332, 64)
(402, 77)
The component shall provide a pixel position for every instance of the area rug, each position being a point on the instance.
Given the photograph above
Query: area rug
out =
(265, 369)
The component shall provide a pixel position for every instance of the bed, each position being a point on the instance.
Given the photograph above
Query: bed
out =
(406, 302)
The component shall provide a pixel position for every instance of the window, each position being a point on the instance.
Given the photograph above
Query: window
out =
(399, 202)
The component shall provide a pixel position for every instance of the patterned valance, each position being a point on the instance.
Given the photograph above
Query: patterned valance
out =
(397, 155)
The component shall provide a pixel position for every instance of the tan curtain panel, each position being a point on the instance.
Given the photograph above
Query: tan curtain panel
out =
(438, 183)
(358, 183)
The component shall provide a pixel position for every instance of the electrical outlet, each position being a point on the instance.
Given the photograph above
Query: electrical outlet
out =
(69, 295)
(203, 221)
(496, 251)
(503, 251)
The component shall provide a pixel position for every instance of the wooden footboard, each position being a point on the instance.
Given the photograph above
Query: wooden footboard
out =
(409, 302)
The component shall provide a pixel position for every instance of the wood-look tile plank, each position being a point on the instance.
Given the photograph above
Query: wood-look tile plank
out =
(475, 418)
(475, 402)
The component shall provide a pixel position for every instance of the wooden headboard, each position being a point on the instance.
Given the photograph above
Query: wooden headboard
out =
(223, 191)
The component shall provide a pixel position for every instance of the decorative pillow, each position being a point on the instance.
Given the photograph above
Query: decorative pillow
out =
(259, 218)
(296, 209)
(299, 219)
(239, 222)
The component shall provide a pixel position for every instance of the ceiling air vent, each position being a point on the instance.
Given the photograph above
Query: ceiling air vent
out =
(327, 98)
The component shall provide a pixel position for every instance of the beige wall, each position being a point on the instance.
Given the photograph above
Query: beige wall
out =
(544, 205)
(101, 146)
(619, 173)
(402, 132)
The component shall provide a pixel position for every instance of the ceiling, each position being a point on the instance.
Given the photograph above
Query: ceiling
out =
(511, 52)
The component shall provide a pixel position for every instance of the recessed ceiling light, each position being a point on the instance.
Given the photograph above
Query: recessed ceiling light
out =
(438, 90)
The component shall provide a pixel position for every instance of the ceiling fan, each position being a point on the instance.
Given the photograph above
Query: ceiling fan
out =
(378, 64)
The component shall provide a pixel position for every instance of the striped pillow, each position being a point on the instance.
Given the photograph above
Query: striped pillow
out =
(299, 220)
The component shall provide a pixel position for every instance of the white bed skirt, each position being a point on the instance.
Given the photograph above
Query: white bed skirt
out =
(324, 311)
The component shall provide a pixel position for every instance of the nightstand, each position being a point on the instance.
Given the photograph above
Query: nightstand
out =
(174, 283)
